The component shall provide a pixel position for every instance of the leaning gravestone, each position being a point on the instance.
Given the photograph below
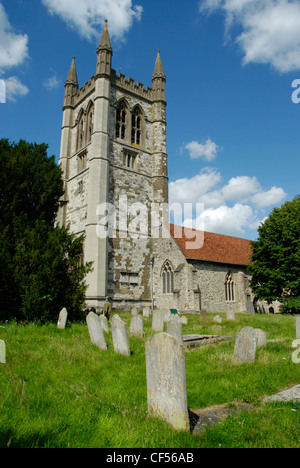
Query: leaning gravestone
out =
(166, 381)
(62, 319)
(137, 326)
(261, 337)
(245, 346)
(104, 323)
(2, 352)
(298, 327)
(120, 336)
(174, 328)
(96, 331)
(158, 320)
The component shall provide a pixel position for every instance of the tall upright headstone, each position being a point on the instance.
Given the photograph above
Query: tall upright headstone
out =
(137, 326)
(174, 328)
(104, 323)
(158, 320)
(2, 352)
(245, 346)
(96, 331)
(166, 381)
(62, 319)
(298, 327)
(120, 336)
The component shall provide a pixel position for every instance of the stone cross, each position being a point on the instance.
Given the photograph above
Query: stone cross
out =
(245, 346)
(104, 323)
(120, 336)
(298, 327)
(158, 320)
(166, 381)
(174, 328)
(62, 319)
(2, 352)
(96, 331)
(137, 326)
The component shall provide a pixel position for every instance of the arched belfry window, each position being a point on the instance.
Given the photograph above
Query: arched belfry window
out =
(121, 115)
(229, 287)
(90, 123)
(136, 126)
(167, 278)
(81, 131)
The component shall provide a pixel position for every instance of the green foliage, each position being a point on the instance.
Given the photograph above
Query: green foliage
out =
(39, 262)
(275, 266)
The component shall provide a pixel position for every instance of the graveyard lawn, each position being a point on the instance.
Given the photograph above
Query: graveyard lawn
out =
(59, 390)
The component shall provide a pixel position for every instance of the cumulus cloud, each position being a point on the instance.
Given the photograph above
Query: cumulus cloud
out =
(270, 197)
(240, 188)
(270, 29)
(13, 46)
(192, 190)
(87, 16)
(15, 89)
(208, 151)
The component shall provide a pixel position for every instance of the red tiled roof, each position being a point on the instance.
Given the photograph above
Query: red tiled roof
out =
(210, 247)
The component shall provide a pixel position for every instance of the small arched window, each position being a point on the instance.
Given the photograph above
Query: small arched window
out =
(167, 278)
(81, 132)
(229, 287)
(136, 126)
(90, 123)
(121, 121)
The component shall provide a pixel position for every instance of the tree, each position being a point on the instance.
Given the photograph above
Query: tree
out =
(41, 269)
(275, 260)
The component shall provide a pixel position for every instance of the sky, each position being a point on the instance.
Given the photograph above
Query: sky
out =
(233, 91)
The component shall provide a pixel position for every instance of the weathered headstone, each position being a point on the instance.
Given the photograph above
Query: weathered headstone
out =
(2, 352)
(146, 312)
(120, 336)
(158, 320)
(104, 323)
(183, 320)
(134, 311)
(230, 315)
(62, 319)
(245, 346)
(250, 308)
(174, 328)
(166, 381)
(218, 319)
(137, 326)
(261, 337)
(298, 327)
(96, 331)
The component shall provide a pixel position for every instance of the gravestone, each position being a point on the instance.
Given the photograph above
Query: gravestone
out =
(146, 312)
(298, 327)
(218, 319)
(261, 337)
(245, 346)
(120, 336)
(230, 315)
(158, 320)
(183, 320)
(137, 326)
(174, 328)
(62, 319)
(134, 311)
(96, 331)
(2, 352)
(104, 323)
(166, 381)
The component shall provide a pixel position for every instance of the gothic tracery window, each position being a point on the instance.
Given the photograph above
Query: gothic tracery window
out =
(121, 121)
(136, 125)
(90, 123)
(229, 287)
(167, 278)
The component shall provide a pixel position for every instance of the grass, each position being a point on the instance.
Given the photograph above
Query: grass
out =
(58, 390)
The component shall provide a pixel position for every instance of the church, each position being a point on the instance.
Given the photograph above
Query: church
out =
(115, 170)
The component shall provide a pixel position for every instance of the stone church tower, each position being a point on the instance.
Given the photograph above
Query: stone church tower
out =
(113, 154)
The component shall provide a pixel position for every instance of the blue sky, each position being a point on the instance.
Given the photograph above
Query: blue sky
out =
(233, 137)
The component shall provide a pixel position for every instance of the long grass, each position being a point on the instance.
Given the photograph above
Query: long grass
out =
(59, 390)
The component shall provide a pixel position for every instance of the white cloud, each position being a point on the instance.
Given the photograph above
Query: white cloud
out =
(15, 89)
(13, 46)
(192, 190)
(240, 188)
(208, 151)
(87, 17)
(52, 83)
(270, 29)
(269, 198)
